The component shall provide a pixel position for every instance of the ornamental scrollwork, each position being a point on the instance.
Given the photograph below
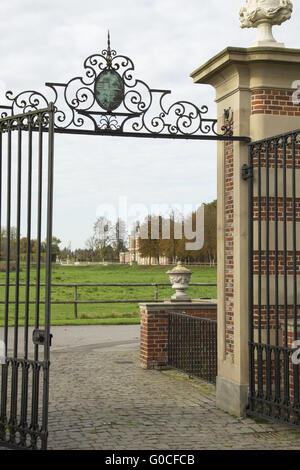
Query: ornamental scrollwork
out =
(108, 98)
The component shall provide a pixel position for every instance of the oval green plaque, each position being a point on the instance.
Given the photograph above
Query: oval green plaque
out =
(109, 90)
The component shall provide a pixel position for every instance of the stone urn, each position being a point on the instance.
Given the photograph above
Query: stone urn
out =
(180, 279)
(263, 15)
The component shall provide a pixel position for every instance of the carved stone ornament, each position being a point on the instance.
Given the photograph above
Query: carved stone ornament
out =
(180, 279)
(263, 15)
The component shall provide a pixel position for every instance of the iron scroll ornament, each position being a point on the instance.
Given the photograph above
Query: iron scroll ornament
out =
(109, 100)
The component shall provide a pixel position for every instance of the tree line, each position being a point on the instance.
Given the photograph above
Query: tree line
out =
(24, 248)
(109, 239)
(174, 247)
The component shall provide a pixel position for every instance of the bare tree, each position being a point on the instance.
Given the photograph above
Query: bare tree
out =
(103, 234)
(119, 236)
(91, 243)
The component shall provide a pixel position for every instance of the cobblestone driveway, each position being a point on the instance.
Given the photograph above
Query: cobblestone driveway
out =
(101, 399)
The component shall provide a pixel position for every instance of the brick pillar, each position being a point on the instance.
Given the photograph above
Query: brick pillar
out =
(154, 337)
(256, 83)
(229, 246)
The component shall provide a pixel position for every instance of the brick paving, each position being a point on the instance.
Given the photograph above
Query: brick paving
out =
(102, 399)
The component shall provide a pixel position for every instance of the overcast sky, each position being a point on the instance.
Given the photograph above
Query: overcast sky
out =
(166, 39)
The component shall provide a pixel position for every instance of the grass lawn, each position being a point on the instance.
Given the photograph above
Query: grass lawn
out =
(103, 313)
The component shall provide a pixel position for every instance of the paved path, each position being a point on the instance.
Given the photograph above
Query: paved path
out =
(76, 337)
(101, 399)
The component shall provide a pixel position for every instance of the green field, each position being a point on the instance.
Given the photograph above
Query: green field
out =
(103, 313)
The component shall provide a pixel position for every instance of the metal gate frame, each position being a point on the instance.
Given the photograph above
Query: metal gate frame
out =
(24, 393)
(274, 313)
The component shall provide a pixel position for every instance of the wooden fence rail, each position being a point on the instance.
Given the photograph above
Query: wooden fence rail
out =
(77, 302)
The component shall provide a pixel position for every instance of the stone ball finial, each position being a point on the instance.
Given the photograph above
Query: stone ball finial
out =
(263, 15)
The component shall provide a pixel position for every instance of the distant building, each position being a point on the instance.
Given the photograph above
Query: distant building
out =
(133, 256)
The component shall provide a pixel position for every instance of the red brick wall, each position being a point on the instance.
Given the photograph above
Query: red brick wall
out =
(154, 339)
(262, 267)
(282, 211)
(275, 102)
(229, 234)
(154, 331)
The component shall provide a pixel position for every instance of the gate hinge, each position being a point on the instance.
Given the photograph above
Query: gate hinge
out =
(38, 337)
(247, 172)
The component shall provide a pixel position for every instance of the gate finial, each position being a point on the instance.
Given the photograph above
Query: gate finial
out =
(109, 53)
(108, 42)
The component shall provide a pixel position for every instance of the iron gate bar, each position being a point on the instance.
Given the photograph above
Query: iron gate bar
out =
(273, 379)
(48, 271)
(295, 296)
(285, 243)
(276, 138)
(276, 244)
(108, 133)
(286, 357)
(39, 231)
(20, 372)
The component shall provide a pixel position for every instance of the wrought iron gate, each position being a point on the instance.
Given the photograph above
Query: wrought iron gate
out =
(26, 163)
(274, 275)
(105, 100)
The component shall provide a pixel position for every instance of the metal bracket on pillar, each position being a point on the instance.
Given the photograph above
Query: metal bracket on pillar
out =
(227, 128)
(247, 172)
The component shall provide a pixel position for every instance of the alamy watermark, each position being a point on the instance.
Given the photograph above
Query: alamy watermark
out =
(296, 94)
(296, 354)
(182, 220)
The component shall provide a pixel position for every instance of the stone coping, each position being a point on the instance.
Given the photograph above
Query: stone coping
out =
(244, 55)
(168, 304)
